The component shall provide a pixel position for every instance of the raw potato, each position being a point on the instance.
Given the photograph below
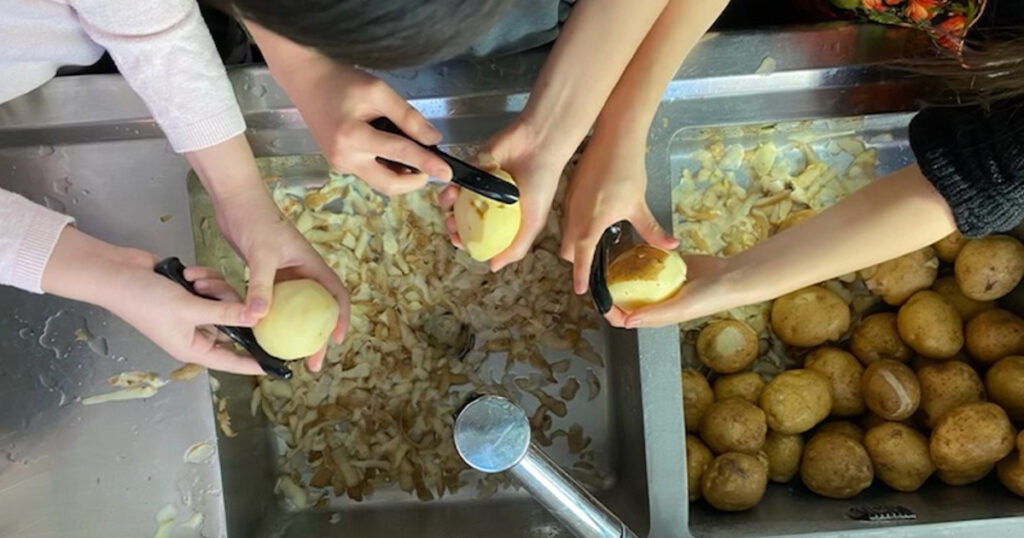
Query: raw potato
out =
(844, 373)
(734, 425)
(795, 218)
(971, 436)
(727, 346)
(964, 305)
(486, 227)
(1011, 473)
(962, 478)
(897, 279)
(994, 334)
(796, 400)
(301, 319)
(734, 481)
(945, 385)
(697, 397)
(930, 325)
(644, 275)
(948, 247)
(900, 455)
(835, 466)
(1005, 384)
(810, 317)
(843, 427)
(890, 389)
(876, 337)
(698, 457)
(746, 385)
(783, 451)
(990, 267)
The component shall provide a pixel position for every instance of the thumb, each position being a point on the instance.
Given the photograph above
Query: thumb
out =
(647, 226)
(262, 271)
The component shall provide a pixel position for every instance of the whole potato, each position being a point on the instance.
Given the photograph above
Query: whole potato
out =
(835, 466)
(783, 451)
(843, 427)
(994, 334)
(971, 436)
(844, 372)
(1020, 445)
(697, 397)
(810, 317)
(897, 279)
(486, 227)
(990, 267)
(734, 425)
(1011, 473)
(302, 317)
(734, 481)
(876, 337)
(698, 457)
(796, 400)
(900, 455)
(890, 389)
(964, 305)
(930, 325)
(962, 478)
(727, 346)
(945, 385)
(948, 247)
(746, 385)
(1005, 384)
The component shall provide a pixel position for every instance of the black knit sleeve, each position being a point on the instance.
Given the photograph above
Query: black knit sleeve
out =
(974, 155)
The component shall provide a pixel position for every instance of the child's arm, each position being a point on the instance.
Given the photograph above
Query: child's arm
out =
(610, 180)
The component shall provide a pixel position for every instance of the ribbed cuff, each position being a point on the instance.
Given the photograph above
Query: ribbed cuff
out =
(207, 132)
(36, 246)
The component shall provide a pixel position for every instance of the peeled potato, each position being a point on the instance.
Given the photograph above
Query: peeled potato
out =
(727, 346)
(644, 275)
(485, 226)
(990, 267)
(301, 318)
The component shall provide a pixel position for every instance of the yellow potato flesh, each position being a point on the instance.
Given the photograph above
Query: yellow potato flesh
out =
(301, 318)
(485, 226)
(643, 276)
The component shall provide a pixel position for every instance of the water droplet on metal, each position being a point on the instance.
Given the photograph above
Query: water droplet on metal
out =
(54, 204)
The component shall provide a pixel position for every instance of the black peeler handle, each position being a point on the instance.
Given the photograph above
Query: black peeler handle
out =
(599, 268)
(173, 269)
(463, 174)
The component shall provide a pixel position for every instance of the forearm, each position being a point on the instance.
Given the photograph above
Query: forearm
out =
(894, 215)
(87, 269)
(635, 99)
(227, 170)
(595, 46)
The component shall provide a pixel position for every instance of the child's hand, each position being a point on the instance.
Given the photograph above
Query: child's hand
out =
(707, 291)
(608, 187)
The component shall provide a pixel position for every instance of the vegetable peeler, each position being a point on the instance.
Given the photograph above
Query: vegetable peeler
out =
(173, 269)
(599, 268)
(464, 174)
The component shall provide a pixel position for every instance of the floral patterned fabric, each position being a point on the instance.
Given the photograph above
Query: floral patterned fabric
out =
(946, 21)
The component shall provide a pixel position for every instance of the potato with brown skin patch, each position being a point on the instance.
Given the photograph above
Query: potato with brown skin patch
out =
(971, 436)
(994, 334)
(899, 455)
(962, 478)
(796, 400)
(890, 390)
(783, 451)
(964, 305)
(876, 337)
(989, 268)
(949, 247)
(945, 385)
(1005, 384)
(727, 346)
(745, 385)
(843, 427)
(899, 278)
(844, 372)
(810, 317)
(835, 466)
(734, 425)
(698, 457)
(930, 325)
(734, 482)
(697, 397)
(1011, 473)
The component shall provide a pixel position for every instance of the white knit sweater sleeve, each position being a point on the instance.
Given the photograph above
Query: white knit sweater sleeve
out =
(163, 49)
